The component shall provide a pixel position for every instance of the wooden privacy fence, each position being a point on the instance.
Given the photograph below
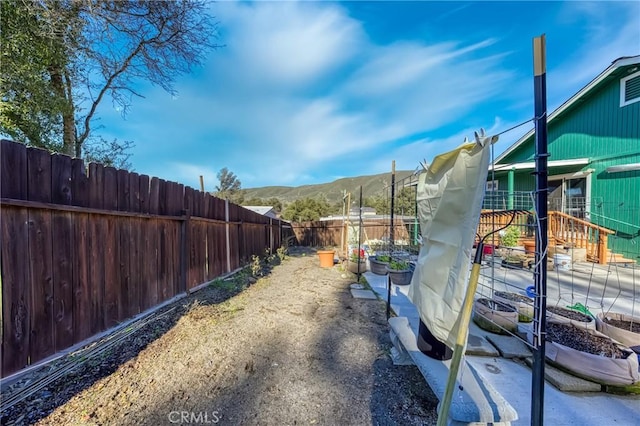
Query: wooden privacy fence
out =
(329, 233)
(83, 252)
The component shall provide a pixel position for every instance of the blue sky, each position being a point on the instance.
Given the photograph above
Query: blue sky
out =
(308, 92)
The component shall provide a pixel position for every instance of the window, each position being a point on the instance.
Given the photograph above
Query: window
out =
(492, 185)
(630, 89)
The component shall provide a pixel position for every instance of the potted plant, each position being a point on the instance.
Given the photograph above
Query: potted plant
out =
(357, 262)
(510, 237)
(400, 272)
(379, 264)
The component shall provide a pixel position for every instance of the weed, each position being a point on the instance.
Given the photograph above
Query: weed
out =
(256, 266)
(282, 252)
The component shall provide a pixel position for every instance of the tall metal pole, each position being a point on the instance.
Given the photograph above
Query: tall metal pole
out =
(359, 233)
(393, 194)
(540, 273)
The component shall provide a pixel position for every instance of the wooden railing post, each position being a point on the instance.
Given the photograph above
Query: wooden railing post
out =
(602, 247)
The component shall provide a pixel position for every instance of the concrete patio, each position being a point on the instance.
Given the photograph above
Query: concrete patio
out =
(501, 363)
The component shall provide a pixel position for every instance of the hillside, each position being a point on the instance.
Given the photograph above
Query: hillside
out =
(333, 191)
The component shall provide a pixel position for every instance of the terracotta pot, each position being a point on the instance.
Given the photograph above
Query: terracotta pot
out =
(326, 258)
(529, 247)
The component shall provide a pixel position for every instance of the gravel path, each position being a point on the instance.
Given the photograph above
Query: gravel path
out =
(293, 348)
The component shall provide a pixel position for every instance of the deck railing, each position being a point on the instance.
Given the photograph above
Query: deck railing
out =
(579, 233)
(563, 229)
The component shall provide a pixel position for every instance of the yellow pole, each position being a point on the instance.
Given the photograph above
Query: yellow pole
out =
(461, 339)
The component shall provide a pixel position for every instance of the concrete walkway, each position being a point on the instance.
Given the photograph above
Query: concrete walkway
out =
(510, 376)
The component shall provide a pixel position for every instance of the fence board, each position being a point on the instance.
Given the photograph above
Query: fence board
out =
(174, 267)
(96, 186)
(62, 278)
(110, 189)
(13, 170)
(134, 265)
(40, 260)
(96, 234)
(123, 195)
(162, 197)
(16, 296)
(79, 184)
(150, 261)
(61, 179)
(80, 279)
(144, 194)
(154, 196)
(38, 175)
(134, 192)
(164, 258)
(112, 300)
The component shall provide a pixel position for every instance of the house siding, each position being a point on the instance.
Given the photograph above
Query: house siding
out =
(598, 128)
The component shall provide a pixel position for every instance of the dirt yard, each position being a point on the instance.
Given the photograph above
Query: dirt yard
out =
(293, 348)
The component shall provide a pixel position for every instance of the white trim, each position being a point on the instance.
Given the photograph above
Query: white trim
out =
(532, 164)
(576, 175)
(623, 84)
(622, 62)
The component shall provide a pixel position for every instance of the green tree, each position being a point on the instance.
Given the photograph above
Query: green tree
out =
(306, 209)
(404, 202)
(62, 58)
(230, 187)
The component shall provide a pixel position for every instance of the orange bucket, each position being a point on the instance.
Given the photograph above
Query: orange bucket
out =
(326, 258)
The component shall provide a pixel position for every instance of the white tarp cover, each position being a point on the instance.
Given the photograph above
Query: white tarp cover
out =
(449, 201)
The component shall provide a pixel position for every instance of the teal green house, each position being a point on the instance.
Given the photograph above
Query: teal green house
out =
(594, 163)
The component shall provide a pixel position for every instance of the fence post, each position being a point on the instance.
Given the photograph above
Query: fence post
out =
(184, 244)
(226, 218)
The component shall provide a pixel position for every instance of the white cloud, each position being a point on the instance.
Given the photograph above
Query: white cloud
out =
(299, 87)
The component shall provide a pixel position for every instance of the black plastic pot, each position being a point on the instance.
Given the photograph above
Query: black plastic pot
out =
(377, 267)
(432, 347)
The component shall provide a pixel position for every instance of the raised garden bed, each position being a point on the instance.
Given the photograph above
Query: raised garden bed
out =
(620, 327)
(591, 355)
(494, 316)
(562, 315)
(524, 304)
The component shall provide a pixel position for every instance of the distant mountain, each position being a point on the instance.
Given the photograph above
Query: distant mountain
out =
(333, 191)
